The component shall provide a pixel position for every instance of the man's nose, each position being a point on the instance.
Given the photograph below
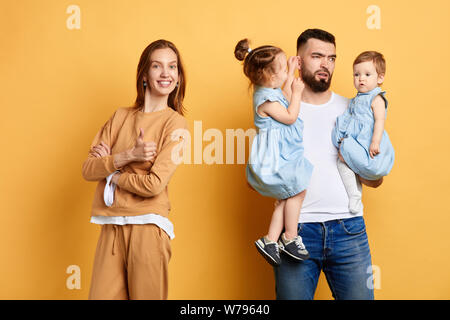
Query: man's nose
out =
(325, 63)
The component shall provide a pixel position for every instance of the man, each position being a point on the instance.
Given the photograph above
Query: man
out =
(335, 238)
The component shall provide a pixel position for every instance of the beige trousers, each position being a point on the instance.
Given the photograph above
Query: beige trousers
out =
(131, 262)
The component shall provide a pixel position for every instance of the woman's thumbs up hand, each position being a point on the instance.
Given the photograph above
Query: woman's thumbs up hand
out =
(143, 151)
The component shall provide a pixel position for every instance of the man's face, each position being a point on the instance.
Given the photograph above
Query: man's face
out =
(317, 60)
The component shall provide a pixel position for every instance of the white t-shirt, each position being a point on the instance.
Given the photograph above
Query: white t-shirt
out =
(150, 218)
(326, 198)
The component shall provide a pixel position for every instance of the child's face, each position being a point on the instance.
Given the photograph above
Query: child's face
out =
(281, 74)
(365, 76)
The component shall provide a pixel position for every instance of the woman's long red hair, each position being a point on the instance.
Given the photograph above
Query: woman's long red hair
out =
(176, 97)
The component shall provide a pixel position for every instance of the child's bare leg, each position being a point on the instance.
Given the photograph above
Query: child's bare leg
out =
(277, 221)
(291, 214)
(290, 242)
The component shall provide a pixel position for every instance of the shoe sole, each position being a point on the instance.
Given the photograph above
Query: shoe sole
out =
(266, 256)
(302, 258)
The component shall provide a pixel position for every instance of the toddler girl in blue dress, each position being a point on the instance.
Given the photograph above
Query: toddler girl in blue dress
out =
(277, 167)
(364, 145)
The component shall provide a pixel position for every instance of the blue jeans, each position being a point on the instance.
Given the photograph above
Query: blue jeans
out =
(340, 248)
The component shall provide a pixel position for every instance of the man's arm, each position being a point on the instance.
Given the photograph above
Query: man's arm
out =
(371, 183)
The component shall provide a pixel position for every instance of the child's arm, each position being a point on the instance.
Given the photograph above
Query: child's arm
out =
(287, 89)
(378, 108)
(285, 115)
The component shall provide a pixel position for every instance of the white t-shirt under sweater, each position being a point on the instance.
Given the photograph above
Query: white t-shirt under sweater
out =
(326, 198)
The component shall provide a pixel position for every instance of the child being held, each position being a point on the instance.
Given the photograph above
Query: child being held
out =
(277, 167)
(364, 145)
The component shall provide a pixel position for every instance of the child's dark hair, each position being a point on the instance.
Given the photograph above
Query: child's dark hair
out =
(258, 63)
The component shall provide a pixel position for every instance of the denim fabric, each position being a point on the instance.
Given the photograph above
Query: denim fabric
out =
(340, 249)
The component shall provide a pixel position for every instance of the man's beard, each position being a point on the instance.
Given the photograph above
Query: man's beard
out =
(316, 86)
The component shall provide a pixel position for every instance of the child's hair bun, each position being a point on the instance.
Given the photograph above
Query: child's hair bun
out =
(241, 49)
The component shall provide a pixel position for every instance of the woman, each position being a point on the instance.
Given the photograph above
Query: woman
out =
(131, 157)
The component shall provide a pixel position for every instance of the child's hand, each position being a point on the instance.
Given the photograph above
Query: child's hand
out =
(292, 65)
(374, 149)
(297, 85)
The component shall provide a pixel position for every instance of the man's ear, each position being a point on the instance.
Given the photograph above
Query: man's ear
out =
(380, 78)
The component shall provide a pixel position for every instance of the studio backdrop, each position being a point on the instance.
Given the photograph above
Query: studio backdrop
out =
(66, 66)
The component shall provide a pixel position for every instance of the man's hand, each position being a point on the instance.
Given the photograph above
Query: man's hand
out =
(371, 183)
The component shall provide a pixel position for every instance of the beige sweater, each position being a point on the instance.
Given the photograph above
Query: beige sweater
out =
(142, 187)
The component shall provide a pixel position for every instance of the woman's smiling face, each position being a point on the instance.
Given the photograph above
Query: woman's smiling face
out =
(163, 72)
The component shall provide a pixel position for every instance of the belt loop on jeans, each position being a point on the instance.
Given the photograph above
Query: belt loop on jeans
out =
(114, 240)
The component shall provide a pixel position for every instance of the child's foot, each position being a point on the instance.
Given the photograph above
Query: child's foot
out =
(269, 250)
(293, 247)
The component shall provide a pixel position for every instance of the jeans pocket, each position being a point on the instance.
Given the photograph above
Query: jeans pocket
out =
(353, 226)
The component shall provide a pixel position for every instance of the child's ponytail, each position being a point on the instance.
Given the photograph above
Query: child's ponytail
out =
(241, 49)
(258, 63)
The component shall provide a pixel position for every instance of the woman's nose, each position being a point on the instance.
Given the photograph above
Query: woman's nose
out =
(164, 72)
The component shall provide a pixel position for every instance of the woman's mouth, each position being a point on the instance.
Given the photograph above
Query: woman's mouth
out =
(164, 83)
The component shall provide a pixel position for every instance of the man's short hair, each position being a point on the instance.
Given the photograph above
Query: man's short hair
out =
(315, 34)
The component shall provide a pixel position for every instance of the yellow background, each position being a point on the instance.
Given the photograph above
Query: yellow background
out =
(59, 86)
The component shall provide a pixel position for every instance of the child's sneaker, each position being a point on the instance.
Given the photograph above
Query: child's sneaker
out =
(294, 248)
(269, 250)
